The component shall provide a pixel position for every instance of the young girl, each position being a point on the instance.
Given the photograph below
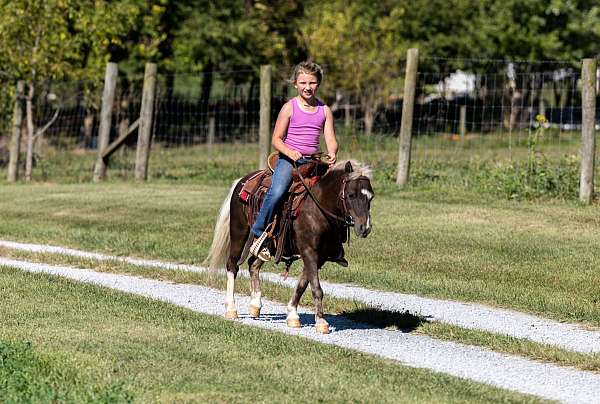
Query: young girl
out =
(296, 136)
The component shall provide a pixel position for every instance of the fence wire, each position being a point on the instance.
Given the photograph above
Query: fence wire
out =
(465, 109)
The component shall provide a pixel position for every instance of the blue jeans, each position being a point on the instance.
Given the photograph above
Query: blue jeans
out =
(282, 178)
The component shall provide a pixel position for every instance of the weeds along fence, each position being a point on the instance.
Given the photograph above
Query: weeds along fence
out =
(508, 121)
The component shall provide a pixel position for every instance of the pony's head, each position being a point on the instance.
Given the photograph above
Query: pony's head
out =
(356, 195)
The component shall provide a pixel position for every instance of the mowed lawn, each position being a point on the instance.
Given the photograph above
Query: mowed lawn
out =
(89, 344)
(61, 341)
(537, 257)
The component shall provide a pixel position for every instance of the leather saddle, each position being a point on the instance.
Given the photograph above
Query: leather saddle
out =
(254, 191)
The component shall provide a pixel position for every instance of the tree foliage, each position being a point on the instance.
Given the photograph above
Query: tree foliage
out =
(358, 39)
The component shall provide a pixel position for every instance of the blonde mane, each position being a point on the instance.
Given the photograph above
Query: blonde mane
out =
(359, 169)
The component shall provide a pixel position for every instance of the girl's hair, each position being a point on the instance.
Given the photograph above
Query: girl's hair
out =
(307, 67)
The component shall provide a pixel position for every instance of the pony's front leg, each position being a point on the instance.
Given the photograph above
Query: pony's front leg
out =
(255, 293)
(293, 320)
(230, 310)
(321, 325)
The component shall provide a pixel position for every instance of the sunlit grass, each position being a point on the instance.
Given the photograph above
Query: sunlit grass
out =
(130, 347)
(402, 321)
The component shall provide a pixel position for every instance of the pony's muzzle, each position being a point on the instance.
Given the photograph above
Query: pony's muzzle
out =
(362, 230)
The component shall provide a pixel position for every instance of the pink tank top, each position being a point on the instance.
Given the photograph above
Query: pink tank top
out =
(304, 130)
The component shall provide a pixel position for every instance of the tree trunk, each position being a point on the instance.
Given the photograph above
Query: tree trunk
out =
(30, 133)
(250, 102)
(207, 82)
(515, 108)
(88, 130)
(369, 107)
(369, 119)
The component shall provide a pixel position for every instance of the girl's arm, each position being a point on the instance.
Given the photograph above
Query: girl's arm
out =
(281, 126)
(330, 140)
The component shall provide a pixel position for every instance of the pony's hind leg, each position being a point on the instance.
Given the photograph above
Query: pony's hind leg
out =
(230, 309)
(293, 320)
(254, 266)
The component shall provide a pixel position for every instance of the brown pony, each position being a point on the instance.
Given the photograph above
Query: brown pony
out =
(342, 198)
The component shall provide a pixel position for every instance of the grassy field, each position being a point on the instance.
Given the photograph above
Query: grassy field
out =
(454, 233)
(492, 166)
(537, 257)
(67, 342)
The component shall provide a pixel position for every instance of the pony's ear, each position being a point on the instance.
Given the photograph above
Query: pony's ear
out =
(348, 167)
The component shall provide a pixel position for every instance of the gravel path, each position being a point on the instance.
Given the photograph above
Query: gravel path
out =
(505, 371)
(467, 315)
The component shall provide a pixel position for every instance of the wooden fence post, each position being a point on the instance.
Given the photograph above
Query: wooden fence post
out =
(264, 128)
(588, 123)
(108, 98)
(15, 143)
(145, 130)
(408, 103)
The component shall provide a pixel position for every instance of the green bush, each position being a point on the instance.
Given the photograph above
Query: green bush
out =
(535, 179)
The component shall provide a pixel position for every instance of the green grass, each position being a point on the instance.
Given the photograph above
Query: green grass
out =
(133, 347)
(453, 233)
(527, 256)
(30, 376)
(475, 164)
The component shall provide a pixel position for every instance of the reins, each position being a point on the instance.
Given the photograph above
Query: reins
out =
(347, 220)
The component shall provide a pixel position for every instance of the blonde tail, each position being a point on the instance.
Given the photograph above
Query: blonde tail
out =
(219, 249)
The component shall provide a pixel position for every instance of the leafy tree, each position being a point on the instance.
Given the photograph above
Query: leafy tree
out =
(236, 35)
(36, 41)
(360, 47)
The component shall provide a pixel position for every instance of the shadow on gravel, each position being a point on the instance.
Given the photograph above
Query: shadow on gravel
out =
(359, 319)
(377, 318)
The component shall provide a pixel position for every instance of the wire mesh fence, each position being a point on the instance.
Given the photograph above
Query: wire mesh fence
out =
(465, 110)
(497, 102)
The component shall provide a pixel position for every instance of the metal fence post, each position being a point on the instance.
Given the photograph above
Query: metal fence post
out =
(408, 102)
(264, 129)
(15, 143)
(588, 123)
(145, 130)
(108, 97)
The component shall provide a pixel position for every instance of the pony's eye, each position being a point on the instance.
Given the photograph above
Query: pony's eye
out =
(352, 196)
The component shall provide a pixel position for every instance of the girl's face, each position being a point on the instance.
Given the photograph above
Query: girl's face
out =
(307, 85)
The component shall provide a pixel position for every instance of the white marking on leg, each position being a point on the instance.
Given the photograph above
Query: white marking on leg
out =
(292, 312)
(368, 222)
(256, 299)
(229, 298)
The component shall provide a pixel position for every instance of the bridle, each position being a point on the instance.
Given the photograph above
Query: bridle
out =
(346, 220)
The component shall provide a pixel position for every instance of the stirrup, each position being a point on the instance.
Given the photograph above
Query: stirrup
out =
(257, 249)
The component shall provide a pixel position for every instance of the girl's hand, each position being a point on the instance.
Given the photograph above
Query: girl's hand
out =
(295, 155)
(332, 159)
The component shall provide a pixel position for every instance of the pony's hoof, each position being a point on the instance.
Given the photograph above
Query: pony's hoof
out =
(322, 328)
(254, 311)
(294, 323)
(231, 314)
